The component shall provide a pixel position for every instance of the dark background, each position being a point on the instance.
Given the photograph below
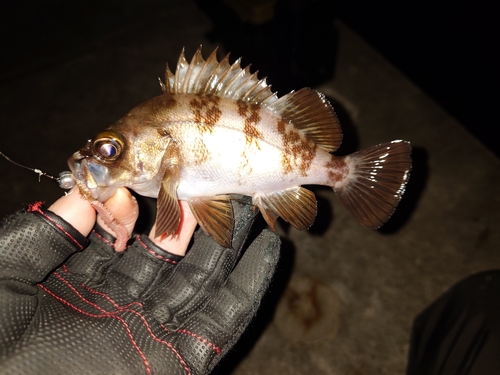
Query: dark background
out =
(449, 49)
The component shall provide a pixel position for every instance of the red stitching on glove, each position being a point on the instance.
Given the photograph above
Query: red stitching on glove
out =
(187, 332)
(161, 257)
(105, 315)
(73, 289)
(127, 308)
(145, 322)
(36, 207)
(166, 343)
(114, 314)
(205, 341)
(103, 239)
(110, 300)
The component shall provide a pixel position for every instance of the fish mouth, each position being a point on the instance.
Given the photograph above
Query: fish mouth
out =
(93, 176)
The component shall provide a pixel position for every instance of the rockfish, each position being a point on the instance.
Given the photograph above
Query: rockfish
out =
(218, 130)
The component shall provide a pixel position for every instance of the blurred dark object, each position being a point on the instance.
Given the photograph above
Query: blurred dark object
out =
(460, 332)
(253, 11)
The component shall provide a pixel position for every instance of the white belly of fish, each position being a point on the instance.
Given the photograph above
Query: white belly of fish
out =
(234, 164)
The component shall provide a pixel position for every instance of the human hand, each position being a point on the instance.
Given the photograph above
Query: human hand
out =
(145, 310)
(80, 214)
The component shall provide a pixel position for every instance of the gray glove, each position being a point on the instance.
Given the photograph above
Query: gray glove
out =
(144, 311)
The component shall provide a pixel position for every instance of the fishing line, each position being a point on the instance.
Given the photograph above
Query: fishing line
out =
(65, 179)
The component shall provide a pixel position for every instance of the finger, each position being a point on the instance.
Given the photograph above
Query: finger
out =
(245, 286)
(178, 243)
(76, 210)
(229, 311)
(124, 208)
(136, 272)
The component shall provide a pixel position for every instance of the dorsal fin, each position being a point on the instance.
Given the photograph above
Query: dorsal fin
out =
(308, 110)
(211, 77)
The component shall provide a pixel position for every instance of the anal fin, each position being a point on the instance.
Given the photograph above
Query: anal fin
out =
(215, 217)
(295, 205)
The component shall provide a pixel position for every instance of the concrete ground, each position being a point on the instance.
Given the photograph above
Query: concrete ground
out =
(345, 296)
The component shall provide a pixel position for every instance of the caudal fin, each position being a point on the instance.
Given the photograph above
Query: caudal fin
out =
(375, 182)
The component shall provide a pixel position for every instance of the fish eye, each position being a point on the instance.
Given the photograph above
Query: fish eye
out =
(107, 146)
(108, 150)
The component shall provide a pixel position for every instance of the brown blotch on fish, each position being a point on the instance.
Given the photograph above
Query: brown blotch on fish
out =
(164, 109)
(163, 132)
(251, 113)
(299, 152)
(337, 169)
(307, 152)
(201, 152)
(286, 156)
(206, 111)
(160, 109)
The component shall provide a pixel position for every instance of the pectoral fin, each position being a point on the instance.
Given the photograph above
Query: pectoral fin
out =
(295, 205)
(168, 213)
(215, 217)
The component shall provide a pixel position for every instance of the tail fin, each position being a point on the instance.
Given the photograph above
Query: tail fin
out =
(375, 182)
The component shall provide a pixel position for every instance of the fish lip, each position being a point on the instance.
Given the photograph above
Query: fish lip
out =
(92, 175)
(82, 174)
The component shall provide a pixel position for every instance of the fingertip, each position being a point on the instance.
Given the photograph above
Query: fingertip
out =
(76, 210)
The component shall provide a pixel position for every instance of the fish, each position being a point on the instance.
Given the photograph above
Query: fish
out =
(217, 131)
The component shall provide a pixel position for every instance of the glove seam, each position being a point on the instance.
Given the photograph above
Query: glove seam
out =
(102, 238)
(59, 223)
(215, 348)
(168, 258)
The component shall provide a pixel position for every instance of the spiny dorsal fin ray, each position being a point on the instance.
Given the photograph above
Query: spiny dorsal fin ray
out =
(215, 216)
(307, 109)
(295, 205)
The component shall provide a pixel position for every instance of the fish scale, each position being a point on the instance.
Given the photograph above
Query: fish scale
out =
(218, 130)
